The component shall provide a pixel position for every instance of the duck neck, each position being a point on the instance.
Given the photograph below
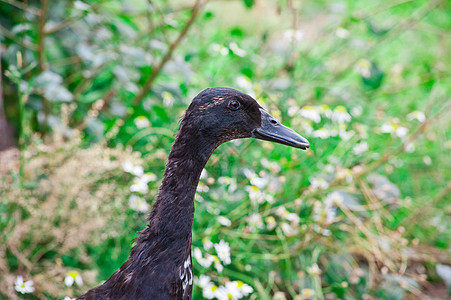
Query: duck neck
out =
(173, 212)
(186, 161)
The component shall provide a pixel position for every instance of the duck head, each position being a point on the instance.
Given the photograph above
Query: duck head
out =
(223, 114)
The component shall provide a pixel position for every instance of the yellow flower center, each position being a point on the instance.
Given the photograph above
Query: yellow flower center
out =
(340, 108)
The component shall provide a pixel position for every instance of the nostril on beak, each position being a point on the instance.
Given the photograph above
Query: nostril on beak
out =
(274, 122)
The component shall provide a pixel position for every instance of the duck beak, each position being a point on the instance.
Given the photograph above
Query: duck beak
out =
(271, 130)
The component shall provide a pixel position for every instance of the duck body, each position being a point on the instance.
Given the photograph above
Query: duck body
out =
(160, 263)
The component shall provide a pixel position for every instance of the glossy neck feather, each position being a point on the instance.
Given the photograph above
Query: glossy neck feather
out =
(159, 266)
(175, 202)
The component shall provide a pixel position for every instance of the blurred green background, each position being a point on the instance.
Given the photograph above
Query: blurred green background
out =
(91, 97)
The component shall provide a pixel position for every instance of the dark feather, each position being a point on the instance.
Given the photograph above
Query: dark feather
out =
(158, 265)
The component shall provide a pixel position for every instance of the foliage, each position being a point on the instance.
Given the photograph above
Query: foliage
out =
(96, 90)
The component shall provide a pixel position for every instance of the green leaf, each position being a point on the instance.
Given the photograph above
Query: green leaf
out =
(249, 3)
(161, 113)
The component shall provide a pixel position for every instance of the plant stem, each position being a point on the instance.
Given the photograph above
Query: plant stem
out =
(41, 56)
(156, 70)
(22, 100)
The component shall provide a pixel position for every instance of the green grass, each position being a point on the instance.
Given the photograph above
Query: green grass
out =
(380, 61)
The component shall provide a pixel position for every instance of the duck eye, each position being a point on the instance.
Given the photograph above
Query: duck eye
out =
(234, 105)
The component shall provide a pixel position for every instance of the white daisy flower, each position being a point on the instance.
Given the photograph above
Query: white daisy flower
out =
(220, 49)
(282, 212)
(364, 67)
(223, 250)
(334, 198)
(221, 293)
(148, 177)
(341, 115)
(288, 230)
(218, 266)
(244, 83)
(271, 165)
(204, 262)
(344, 173)
(418, 115)
(73, 277)
(322, 133)
(319, 183)
(249, 173)
(141, 122)
(306, 126)
(202, 187)
(237, 50)
(292, 110)
(203, 280)
(204, 174)
(330, 212)
(394, 128)
(245, 289)
(168, 98)
(325, 213)
(293, 35)
(279, 296)
(307, 293)
(233, 292)
(325, 110)
(207, 244)
(342, 33)
(255, 221)
(81, 6)
(401, 131)
(129, 167)
(255, 194)
(314, 270)
(138, 204)
(224, 221)
(409, 147)
(356, 111)
(260, 182)
(360, 148)
(311, 113)
(139, 186)
(346, 135)
(208, 287)
(23, 287)
(294, 219)
(427, 160)
(270, 223)
(209, 291)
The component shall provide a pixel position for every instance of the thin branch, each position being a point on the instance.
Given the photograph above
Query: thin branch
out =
(374, 245)
(66, 22)
(13, 37)
(163, 27)
(157, 69)
(41, 56)
(42, 34)
(421, 129)
(395, 31)
(2, 112)
(63, 24)
(422, 210)
(22, 6)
